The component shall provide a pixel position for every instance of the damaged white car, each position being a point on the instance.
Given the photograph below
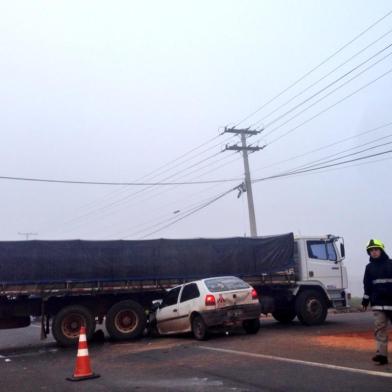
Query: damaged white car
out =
(206, 304)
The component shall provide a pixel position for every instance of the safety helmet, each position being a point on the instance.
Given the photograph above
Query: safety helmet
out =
(374, 244)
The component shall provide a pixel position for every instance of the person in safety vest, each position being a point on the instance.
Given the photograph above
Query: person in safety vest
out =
(377, 283)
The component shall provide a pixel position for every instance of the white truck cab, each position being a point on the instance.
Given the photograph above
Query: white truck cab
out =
(320, 262)
(319, 282)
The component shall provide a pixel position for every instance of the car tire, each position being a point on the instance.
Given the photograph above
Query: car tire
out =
(67, 322)
(251, 327)
(125, 320)
(199, 328)
(311, 307)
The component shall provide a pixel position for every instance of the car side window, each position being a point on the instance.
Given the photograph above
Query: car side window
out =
(321, 250)
(171, 297)
(190, 291)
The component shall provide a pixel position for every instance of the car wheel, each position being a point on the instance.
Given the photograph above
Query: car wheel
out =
(251, 327)
(199, 328)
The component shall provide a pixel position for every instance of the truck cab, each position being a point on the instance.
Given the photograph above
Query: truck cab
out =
(318, 282)
(319, 263)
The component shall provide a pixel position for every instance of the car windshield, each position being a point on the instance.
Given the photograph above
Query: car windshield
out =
(225, 284)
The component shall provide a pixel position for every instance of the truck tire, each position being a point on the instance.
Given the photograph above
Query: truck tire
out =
(125, 320)
(311, 307)
(251, 327)
(67, 322)
(199, 328)
(284, 316)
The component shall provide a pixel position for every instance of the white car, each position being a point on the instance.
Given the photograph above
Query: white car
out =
(204, 304)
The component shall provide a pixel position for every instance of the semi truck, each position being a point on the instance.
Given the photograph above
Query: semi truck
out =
(70, 283)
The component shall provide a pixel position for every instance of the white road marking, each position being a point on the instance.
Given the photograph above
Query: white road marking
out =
(35, 325)
(300, 362)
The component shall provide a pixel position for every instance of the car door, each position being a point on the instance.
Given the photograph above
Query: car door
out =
(167, 314)
(189, 301)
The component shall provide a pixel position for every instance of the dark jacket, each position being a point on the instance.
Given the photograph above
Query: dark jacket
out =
(378, 282)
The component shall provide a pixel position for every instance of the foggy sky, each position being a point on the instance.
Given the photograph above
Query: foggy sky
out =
(111, 91)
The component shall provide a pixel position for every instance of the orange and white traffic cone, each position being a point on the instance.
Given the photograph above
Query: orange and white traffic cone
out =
(82, 368)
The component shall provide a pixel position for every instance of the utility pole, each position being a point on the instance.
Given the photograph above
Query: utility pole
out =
(248, 184)
(27, 235)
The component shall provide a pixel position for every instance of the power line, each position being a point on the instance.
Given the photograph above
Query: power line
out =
(75, 182)
(327, 158)
(204, 205)
(320, 79)
(320, 167)
(115, 193)
(324, 146)
(146, 225)
(327, 95)
(331, 106)
(315, 68)
(330, 85)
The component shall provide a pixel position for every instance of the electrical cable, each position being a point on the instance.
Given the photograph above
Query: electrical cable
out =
(324, 147)
(330, 107)
(320, 79)
(330, 85)
(314, 68)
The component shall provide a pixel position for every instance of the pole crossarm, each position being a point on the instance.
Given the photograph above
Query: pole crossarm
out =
(235, 147)
(246, 131)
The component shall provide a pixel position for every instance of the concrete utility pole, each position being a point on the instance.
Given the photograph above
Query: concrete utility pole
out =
(27, 235)
(248, 184)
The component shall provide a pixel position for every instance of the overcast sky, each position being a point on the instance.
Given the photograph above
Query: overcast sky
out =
(111, 91)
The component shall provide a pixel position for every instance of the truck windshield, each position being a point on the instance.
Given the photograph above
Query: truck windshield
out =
(321, 250)
(225, 284)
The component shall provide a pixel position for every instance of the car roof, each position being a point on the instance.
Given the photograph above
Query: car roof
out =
(204, 279)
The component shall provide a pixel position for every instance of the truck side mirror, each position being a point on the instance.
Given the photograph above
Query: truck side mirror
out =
(342, 251)
(156, 304)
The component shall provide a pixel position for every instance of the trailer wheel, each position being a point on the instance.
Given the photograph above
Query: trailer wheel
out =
(311, 307)
(125, 320)
(251, 327)
(284, 316)
(67, 322)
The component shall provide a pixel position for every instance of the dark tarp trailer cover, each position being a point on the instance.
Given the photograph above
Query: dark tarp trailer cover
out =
(26, 262)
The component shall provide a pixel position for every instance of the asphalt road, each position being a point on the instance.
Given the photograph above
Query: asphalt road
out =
(332, 357)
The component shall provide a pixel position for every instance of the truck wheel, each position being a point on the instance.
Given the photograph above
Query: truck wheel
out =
(125, 320)
(284, 316)
(199, 328)
(67, 322)
(311, 307)
(251, 327)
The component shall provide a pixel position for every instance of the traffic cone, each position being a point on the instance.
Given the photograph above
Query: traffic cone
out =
(82, 368)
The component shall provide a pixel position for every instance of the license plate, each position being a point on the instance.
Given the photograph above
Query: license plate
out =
(234, 313)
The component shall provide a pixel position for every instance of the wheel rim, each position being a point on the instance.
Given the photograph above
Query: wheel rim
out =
(314, 308)
(71, 325)
(126, 321)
